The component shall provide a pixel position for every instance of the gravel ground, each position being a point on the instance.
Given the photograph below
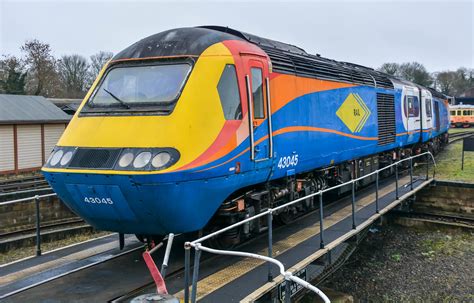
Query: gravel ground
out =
(401, 264)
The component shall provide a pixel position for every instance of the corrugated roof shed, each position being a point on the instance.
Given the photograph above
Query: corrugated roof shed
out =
(20, 109)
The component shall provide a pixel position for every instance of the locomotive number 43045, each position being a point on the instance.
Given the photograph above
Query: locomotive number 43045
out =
(97, 200)
(287, 161)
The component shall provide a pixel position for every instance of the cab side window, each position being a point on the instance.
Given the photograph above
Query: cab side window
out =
(257, 93)
(428, 108)
(412, 106)
(229, 93)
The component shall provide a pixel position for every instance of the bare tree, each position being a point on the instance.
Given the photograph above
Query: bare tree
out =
(73, 73)
(42, 76)
(445, 82)
(390, 68)
(416, 72)
(97, 62)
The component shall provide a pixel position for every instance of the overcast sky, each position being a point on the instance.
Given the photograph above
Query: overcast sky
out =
(438, 34)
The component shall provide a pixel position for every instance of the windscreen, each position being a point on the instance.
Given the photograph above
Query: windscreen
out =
(141, 85)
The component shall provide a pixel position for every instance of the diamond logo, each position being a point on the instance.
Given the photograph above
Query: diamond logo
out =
(353, 112)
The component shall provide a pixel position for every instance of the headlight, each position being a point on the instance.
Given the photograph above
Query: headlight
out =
(56, 157)
(142, 160)
(126, 159)
(146, 159)
(161, 159)
(66, 158)
(60, 156)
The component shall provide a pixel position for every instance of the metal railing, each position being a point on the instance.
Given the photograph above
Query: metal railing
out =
(198, 247)
(35, 198)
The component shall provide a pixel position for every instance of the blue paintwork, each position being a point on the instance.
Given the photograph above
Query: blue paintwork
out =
(185, 201)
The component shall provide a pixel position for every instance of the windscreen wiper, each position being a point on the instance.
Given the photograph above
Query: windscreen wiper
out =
(124, 104)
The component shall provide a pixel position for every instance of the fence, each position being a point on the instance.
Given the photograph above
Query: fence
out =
(38, 218)
(198, 247)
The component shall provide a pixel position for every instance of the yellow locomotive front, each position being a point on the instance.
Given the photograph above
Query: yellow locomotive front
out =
(123, 161)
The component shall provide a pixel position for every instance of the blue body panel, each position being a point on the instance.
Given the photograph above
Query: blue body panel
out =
(184, 201)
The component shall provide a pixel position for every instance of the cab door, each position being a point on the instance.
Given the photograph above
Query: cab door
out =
(412, 114)
(427, 115)
(258, 98)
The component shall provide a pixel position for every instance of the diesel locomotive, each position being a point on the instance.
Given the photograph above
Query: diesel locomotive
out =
(196, 128)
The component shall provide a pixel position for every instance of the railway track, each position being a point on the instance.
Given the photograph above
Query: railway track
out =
(24, 183)
(450, 219)
(459, 136)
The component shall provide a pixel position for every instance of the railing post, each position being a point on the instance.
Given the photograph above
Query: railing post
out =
(287, 290)
(377, 192)
(411, 173)
(321, 218)
(427, 166)
(353, 205)
(187, 266)
(121, 241)
(169, 244)
(270, 245)
(38, 231)
(396, 181)
(197, 256)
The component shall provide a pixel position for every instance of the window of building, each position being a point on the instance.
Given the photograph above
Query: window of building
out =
(228, 89)
(257, 93)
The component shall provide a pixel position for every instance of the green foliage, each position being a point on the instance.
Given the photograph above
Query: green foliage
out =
(13, 79)
(396, 257)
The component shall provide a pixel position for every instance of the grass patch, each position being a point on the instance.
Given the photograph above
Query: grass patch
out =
(459, 130)
(396, 257)
(450, 245)
(449, 164)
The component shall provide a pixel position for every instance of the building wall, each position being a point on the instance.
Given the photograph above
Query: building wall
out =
(27, 147)
(7, 153)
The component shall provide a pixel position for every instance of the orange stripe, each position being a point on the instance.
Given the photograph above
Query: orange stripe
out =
(294, 129)
(243, 152)
(286, 88)
(322, 130)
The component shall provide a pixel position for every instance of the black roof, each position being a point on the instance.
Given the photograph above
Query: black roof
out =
(290, 59)
(285, 58)
(436, 93)
(191, 41)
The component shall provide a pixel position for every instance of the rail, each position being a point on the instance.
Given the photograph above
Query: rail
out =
(35, 198)
(198, 247)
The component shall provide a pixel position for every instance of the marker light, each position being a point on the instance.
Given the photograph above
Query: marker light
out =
(142, 159)
(126, 159)
(161, 159)
(56, 157)
(66, 158)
